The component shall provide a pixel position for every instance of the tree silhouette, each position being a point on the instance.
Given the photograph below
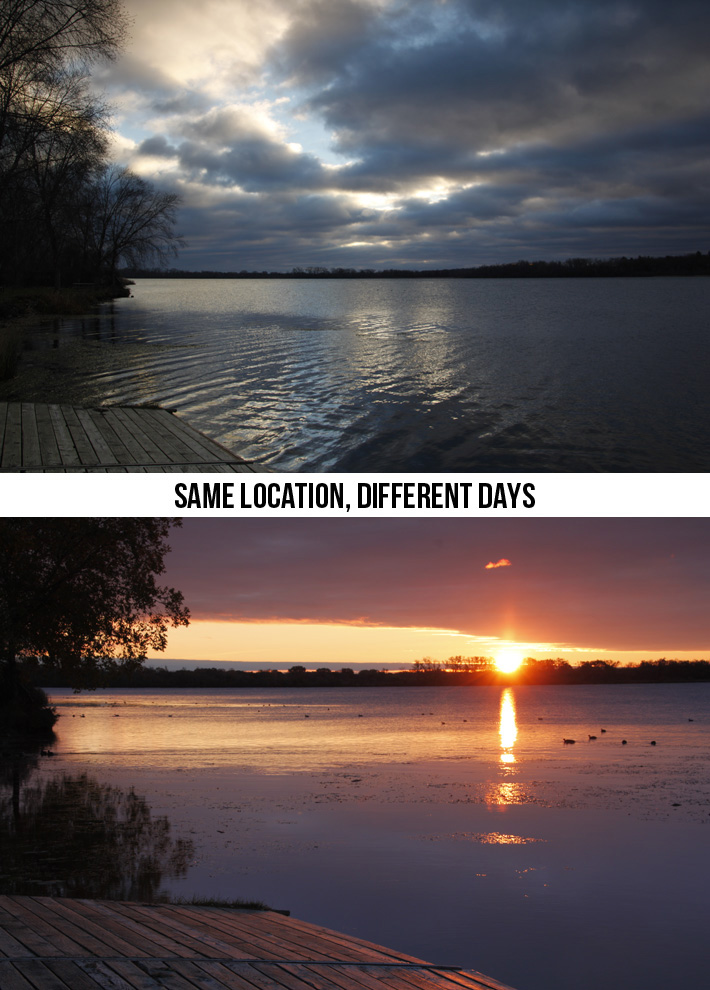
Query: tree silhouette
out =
(81, 596)
(66, 215)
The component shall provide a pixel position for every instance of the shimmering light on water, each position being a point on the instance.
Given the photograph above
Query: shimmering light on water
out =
(433, 374)
(387, 813)
(508, 727)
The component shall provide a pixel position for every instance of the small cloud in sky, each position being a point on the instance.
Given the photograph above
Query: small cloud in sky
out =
(503, 562)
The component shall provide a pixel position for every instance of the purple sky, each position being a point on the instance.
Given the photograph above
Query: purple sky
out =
(631, 584)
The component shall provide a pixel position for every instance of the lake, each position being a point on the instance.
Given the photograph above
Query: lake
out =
(404, 375)
(450, 823)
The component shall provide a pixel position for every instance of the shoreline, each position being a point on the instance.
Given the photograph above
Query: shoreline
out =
(21, 307)
(203, 678)
(74, 300)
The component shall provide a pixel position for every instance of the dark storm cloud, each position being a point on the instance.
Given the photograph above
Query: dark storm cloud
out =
(255, 164)
(256, 232)
(325, 36)
(577, 95)
(484, 131)
(228, 147)
(619, 584)
(158, 146)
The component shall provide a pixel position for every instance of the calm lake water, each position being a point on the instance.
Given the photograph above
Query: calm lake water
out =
(388, 375)
(453, 824)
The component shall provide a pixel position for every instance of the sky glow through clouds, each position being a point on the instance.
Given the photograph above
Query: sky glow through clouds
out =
(390, 133)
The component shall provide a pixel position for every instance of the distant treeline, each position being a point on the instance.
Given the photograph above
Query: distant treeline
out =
(427, 674)
(685, 264)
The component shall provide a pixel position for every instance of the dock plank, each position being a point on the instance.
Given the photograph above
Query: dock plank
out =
(52, 437)
(68, 454)
(192, 942)
(85, 451)
(50, 926)
(40, 976)
(93, 923)
(51, 943)
(49, 448)
(268, 942)
(140, 940)
(117, 974)
(72, 974)
(30, 434)
(225, 974)
(165, 974)
(12, 438)
(11, 978)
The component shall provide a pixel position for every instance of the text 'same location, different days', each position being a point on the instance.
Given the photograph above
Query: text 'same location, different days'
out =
(416, 496)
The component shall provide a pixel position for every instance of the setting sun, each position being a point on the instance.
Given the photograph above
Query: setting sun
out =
(508, 661)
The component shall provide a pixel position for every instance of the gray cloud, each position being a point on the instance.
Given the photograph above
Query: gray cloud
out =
(500, 130)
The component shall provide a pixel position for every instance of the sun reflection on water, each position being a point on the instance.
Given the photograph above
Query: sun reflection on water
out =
(508, 728)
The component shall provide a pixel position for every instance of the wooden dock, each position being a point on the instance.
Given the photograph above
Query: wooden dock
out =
(49, 943)
(51, 437)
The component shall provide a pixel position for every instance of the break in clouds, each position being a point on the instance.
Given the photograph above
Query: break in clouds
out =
(377, 133)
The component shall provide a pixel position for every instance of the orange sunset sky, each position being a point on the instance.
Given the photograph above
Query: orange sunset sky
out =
(339, 592)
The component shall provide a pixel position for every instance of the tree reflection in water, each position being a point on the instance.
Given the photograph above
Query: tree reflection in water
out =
(72, 836)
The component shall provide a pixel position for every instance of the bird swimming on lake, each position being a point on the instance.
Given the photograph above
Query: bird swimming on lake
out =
(567, 742)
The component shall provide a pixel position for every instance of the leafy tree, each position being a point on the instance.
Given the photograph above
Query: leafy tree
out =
(81, 596)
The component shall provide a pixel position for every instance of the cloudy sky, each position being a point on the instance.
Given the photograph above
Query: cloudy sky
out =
(337, 592)
(378, 133)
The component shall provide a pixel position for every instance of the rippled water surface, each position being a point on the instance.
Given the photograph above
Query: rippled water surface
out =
(451, 823)
(432, 374)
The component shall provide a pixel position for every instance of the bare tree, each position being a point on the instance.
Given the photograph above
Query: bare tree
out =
(61, 160)
(47, 34)
(52, 130)
(125, 219)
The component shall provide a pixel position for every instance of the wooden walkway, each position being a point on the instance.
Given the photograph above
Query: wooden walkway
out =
(39, 437)
(49, 943)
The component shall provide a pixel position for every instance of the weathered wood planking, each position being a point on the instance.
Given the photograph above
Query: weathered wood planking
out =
(52, 437)
(49, 943)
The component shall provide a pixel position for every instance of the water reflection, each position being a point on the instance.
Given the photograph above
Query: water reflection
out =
(72, 836)
(507, 728)
(433, 375)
